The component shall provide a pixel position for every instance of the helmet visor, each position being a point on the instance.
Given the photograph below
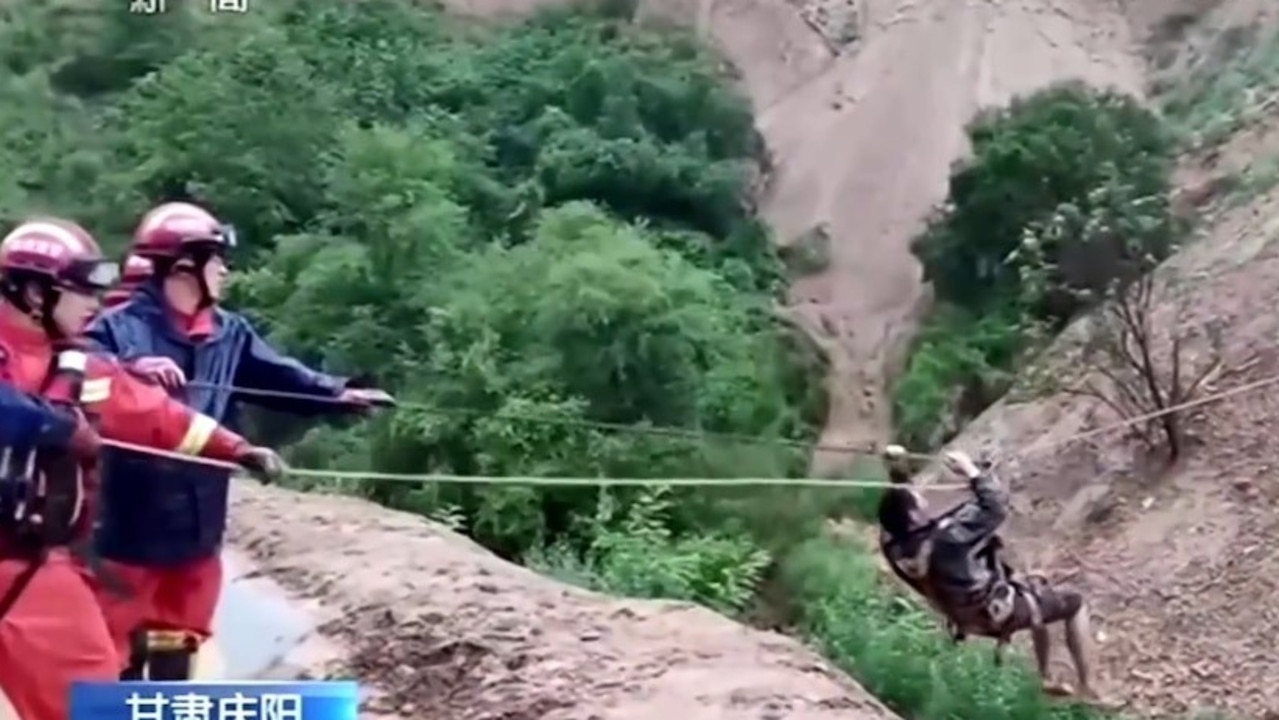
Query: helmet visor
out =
(94, 275)
(219, 242)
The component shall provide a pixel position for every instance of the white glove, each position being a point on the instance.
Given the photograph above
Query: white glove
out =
(959, 463)
(894, 452)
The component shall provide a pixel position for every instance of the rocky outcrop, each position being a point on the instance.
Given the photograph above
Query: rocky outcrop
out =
(437, 627)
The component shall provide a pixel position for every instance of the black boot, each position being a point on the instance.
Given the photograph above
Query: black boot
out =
(170, 654)
(170, 665)
(137, 657)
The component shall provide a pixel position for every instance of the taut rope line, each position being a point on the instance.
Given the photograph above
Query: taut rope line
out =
(426, 478)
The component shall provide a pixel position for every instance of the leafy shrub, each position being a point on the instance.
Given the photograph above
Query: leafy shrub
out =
(1045, 149)
(1049, 154)
(641, 557)
(961, 362)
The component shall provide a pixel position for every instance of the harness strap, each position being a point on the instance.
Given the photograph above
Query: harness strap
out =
(84, 551)
(1032, 601)
(161, 655)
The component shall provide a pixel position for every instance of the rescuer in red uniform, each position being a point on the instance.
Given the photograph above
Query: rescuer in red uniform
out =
(137, 270)
(52, 631)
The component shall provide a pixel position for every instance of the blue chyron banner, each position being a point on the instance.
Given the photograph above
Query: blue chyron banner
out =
(215, 701)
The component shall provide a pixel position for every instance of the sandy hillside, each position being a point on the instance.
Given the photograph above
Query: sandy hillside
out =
(1183, 568)
(441, 629)
(864, 148)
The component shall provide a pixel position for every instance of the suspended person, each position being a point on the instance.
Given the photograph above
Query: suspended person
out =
(52, 631)
(954, 560)
(163, 524)
(905, 529)
(137, 270)
(906, 551)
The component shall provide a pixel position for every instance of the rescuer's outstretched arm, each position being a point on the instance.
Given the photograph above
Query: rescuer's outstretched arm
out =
(264, 368)
(135, 412)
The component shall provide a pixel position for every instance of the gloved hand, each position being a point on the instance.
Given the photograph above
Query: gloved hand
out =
(894, 452)
(959, 463)
(263, 463)
(897, 461)
(366, 398)
(159, 370)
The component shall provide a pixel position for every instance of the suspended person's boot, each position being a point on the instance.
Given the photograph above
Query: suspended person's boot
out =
(137, 669)
(171, 655)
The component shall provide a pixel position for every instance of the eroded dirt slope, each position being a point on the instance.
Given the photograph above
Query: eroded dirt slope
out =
(862, 104)
(442, 629)
(1181, 569)
(1183, 566)
(865, 149)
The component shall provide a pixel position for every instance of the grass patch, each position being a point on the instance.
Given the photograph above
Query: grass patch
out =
(959, 364)
(896, 650)
(1221, 98)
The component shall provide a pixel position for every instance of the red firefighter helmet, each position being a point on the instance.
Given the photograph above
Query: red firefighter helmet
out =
(137, 270)
(170, 230)
(57, 252)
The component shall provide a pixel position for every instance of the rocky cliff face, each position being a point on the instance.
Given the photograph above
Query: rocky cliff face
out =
(437, 627)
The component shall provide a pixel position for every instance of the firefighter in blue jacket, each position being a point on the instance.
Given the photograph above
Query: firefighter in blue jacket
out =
(162, 523)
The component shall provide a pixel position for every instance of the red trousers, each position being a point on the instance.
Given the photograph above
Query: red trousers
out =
(182, 597)
(52, 636)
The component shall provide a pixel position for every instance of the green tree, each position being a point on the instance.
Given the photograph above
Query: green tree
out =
(244, 127)
(1045, 156)
(1051, 147)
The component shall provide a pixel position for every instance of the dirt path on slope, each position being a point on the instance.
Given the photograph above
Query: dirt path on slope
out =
(442, 629)
(865, 149)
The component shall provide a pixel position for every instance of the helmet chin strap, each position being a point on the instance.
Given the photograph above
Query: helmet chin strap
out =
(198, 262)
(49, 301)
(42, 314)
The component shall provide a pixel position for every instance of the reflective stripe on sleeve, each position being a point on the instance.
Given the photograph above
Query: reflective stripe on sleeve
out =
(198, 434)
(95, 391)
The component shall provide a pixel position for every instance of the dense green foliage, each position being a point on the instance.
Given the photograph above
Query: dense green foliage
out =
(1007, 266)
(533, 235)
(548, 221)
